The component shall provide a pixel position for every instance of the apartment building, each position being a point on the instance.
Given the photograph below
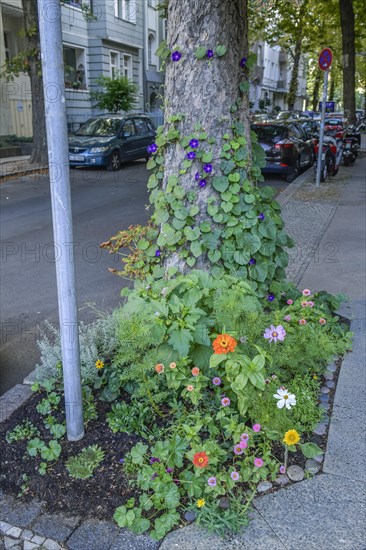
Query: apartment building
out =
(120, 39)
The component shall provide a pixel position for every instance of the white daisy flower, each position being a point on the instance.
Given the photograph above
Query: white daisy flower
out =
(285, 399)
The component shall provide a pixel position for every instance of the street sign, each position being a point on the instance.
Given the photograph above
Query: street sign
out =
(325, 59)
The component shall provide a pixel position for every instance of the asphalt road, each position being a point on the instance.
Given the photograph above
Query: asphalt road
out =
(102, 204)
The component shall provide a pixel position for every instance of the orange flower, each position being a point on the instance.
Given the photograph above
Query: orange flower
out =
(159, 368)
(173, 365)
(200, 460)
(224, 343)
(190, 388)
(195, 371)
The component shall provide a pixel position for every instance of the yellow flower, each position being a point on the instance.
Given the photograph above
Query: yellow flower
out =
(291, 437)
(99, 364)
(200, 503)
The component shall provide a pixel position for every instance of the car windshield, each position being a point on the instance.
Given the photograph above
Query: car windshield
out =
(270, 133)
(100, 127)
(333, 122)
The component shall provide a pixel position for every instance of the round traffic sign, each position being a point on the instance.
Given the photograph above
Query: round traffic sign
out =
(325, 59)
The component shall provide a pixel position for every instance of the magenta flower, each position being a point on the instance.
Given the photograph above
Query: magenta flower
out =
(287, 318)
(170, 470)
(258, 462)
(216, 381)
(243, 444)
(238, 450)
(256, 428)
(304, 304)
(302, 322)
(194, 143)
(311, 304)
(282, 469)
(289, 302)
(225, 401)
(234, 476)
(212, 481)
(176, 56)
(244, 437)
(306, 292)
(274, 333)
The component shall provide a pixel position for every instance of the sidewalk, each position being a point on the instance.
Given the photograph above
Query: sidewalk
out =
(326, 512)
(18, 166)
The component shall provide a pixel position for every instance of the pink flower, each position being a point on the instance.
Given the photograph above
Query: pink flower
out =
(244, 437)
(287, 318)
(322, 321)
(302, 322)
(212, 481)
(243, 444)
(256, 428)
(225, 401)
(238, 450)
(304, 304)
(258, 462)
(234, 476)
(289, 302)
(282, 469)
(311, 304)
(274, 333)
(306, 292)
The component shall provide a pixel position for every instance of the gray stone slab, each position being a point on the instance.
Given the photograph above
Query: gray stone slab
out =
(55, 526)
(126, 540)
(18, 513)
(31, 378)
(322, 513)
(12, 399)
(257, 536)
(98, 535)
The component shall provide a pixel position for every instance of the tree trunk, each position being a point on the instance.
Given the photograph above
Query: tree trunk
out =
(331, 89)
(205, 91)
(348, 54)
(39, 153)
(291, 98)
(316, 89)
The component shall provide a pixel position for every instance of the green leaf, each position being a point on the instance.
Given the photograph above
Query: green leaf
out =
(205, 227)
(249, 199)
(143, 244)
(207, 157)
(201, 52)
(244, 86)
(191, 261)
(220, 50)
(173, 180)
(214, 256)
(220, 183)
(140, 525)
(180, 340)
(163, 525)
(51, 452)
(177, 449)
(196, 248)
(34, 445)
(216, 359)
(151, 164)
(138, 453)
(310, 450)
(57, 431)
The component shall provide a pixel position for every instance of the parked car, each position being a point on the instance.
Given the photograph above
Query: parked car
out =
(287, 115)
(287, 146)
(310, 126)
(109, 140)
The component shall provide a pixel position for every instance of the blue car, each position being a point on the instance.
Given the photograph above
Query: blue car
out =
(109, 140)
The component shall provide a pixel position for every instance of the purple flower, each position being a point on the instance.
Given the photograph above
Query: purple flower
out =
(197, 176)
(210, 54)
(243, 444)
(121, 460)
(169, 470)
(194, 143)
(154, 475)
(287, 318)
(207, 168)
(282, 469)
(258, 462)
(149, 150)
(234, 476)
(252, 261)
(243, 61)
(274, 333)
(244, 437)
(202, 183)
(157, 253)
(153, 148)
(261, 216)
(270, 297)
(176, 56)
(216, 381)
(225, 401)
(212, 481)
(256, 428)
(191, 155)
(154, 459)
(238, 450)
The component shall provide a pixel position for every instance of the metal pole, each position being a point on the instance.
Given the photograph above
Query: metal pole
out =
(49, 14)
(321, 134)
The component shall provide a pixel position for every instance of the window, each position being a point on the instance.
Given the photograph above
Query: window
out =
(74, 3)
(114, 64)
(125, 9)
(74, 67)
(7, 46)
(151, 49)
(259, 56)
(140, 125)
(128, 128)
(127, 66)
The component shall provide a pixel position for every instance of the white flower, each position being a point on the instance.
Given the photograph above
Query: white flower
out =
(164, 291)
(157, 314)
(285, 399)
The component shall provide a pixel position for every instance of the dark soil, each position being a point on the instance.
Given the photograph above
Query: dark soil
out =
(108, 488)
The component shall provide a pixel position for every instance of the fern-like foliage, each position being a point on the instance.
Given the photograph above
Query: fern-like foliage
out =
(83, 465)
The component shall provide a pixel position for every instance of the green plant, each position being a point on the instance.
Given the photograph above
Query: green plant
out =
(25, 430)
(24, 488)
(83, 464)
(48, 452)
(115, 94)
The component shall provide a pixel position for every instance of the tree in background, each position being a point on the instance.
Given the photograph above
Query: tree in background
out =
(115, 94)
(347, 18)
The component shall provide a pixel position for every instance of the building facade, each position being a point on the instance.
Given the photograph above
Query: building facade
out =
(120, 38)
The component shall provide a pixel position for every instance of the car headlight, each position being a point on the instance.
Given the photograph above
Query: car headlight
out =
(99, 149)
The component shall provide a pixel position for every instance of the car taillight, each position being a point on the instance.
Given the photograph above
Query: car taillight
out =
(283, 145)
(339, 135)
(333, 148)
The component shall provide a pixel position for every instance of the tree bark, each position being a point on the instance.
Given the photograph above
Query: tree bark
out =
(316, 89)
(348, 54)
(39, 152)
(291, 98)
(204, 90)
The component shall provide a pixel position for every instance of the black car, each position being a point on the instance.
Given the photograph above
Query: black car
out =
(109, 140)
(287, 146)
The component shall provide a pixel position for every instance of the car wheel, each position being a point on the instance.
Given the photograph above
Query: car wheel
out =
(114, 163)
(312, 159)
(295, 172)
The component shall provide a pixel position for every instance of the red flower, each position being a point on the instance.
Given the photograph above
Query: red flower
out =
(200, 460)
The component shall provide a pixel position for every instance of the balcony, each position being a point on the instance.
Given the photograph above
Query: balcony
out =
(281, 86)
